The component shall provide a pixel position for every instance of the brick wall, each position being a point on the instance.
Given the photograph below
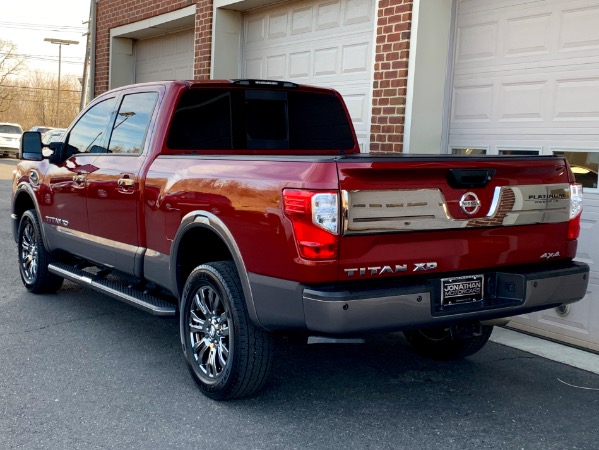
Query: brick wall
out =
(390, 75)
(203, 40)
(115, 13)
(391, 56)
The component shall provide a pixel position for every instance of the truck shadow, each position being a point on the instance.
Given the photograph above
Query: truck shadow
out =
(384, 370)
(106, 358)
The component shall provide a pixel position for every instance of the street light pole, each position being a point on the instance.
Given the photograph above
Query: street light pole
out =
(60, 43)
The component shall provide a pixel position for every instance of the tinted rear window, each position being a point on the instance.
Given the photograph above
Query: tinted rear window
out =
(12, 129)
(219, 119)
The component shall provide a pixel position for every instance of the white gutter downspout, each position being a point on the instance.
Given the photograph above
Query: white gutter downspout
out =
(411, 73)
(92, 53)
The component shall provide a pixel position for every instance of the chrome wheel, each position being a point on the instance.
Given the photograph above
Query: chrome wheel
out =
(29, 253)
(209, 332)
(34, 258)
(227, 355)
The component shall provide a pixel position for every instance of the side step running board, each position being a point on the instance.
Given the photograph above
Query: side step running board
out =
(114, 288)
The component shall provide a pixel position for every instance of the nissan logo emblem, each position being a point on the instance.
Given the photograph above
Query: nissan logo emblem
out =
(469, 203)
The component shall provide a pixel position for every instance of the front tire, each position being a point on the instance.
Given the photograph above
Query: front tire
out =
(34, 258)
(227, 355)
(439, 343)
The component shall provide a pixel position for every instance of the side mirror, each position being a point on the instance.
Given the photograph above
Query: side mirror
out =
(58, 152)
(31, 146)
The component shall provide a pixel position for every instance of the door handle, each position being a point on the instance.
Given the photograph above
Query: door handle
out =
(79, 179)
(126, 182)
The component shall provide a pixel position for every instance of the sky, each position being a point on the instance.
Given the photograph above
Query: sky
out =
(28, 22)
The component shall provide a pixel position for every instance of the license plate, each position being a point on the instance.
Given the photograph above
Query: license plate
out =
(468, 289)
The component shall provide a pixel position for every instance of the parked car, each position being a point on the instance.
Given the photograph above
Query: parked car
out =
(53, 135)
(10, 139)
(41, 129)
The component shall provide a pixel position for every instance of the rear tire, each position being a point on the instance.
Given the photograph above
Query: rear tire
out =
(227, 355)
(34, 258)
(438, 343)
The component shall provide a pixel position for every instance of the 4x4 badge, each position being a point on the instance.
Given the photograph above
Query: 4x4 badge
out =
(469, 203)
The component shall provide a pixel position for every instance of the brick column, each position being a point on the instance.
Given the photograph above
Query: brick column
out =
(390, 75)
(115, 13)
(203, 40)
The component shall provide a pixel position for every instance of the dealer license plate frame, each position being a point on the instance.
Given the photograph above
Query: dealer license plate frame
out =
(462, 290)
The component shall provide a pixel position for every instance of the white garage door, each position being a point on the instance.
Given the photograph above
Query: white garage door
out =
(322, 43)
(526, 78)
(168, 57)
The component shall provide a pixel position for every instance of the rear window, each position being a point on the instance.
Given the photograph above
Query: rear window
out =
(12, 129)
(220, 119)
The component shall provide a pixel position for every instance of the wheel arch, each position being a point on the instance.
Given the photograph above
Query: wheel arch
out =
(23, 200)
(218, 244)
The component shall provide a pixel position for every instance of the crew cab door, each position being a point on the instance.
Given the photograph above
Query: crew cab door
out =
(64, 205)
(113, 189)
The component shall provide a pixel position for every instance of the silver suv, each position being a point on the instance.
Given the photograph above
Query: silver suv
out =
(10, 139)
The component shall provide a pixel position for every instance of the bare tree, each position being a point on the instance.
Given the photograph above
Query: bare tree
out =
(35, 100)
(10, 64)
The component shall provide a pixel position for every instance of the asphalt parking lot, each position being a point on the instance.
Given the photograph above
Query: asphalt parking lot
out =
(80, 370)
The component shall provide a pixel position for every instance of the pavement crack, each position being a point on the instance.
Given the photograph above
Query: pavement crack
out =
(578, 387)
(516, 357)
(56, 324)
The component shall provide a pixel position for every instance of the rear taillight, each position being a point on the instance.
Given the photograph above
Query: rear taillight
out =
(575, 211)
(315, 219)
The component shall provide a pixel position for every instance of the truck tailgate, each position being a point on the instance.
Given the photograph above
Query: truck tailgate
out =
(415, 215)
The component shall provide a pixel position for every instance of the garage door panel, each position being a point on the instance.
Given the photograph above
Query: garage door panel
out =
(328, 15)
(526, 76)
(326, 62)
(357, 105)
(522, 102)
(300, 66)
(577, 99)
(528, 36)
(575, 323)
(323, 43)
(277, 25)
(276, 67)
(301, 20)
(472, 103)
(589, 239)
(168, 57)
(355, 58)
(477, 43)
(254, 29)
(579, 28)
(253, 68)
(534, 33)
(350, 60)
(552, 103)
(358, 11)
(475, 6)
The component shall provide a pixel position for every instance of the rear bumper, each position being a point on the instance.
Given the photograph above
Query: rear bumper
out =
(10, 150)
(410, 305)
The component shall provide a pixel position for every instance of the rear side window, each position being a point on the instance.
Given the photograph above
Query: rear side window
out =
(202, 121)
(212, 119)
(318, 122)
(131, 124)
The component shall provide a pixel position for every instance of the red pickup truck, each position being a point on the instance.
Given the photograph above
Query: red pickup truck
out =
(247, 207)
